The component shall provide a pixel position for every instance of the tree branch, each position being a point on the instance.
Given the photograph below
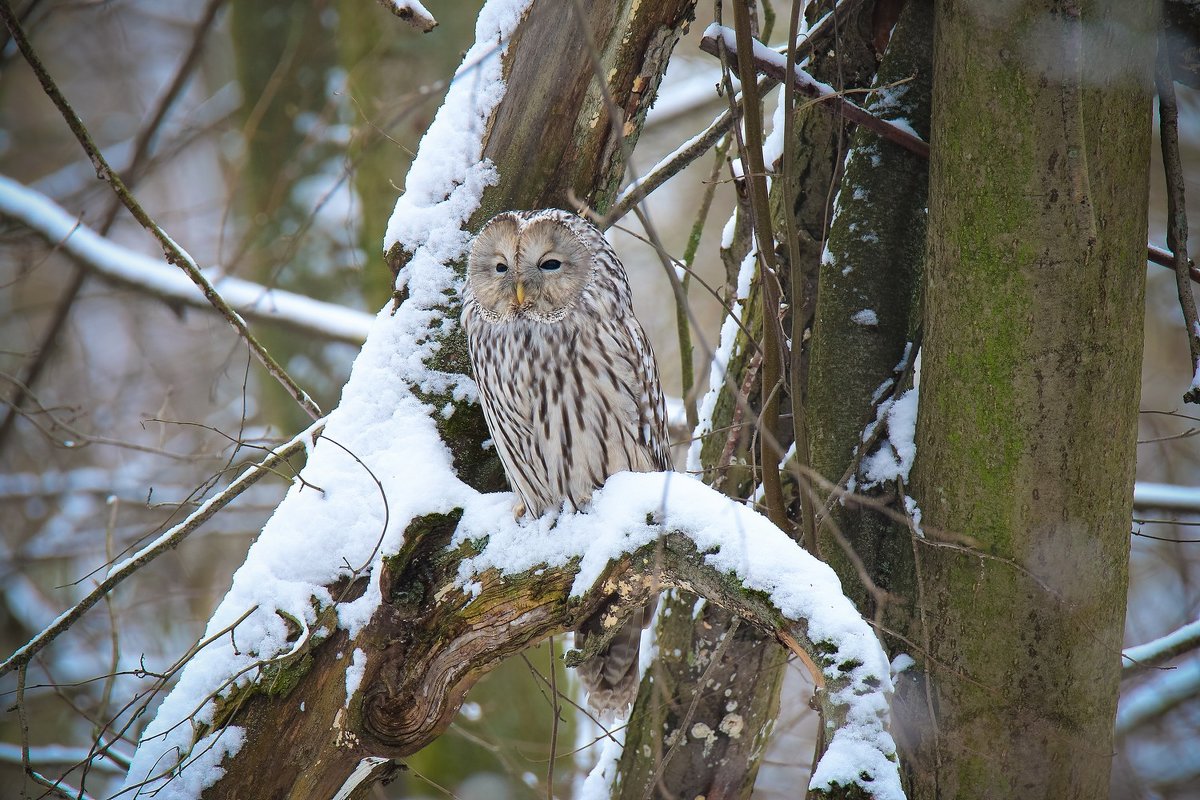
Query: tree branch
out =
(768, 62)
(464, 592)
(1161, 650)
(174, 253)
(168, 540)
(142, 273)
(1177, 224)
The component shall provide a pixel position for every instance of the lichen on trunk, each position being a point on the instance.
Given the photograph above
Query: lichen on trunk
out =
(1034, 294)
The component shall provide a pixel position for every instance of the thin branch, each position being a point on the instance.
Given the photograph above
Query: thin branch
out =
(752, 159)
(70, 294)
(799, 302)
(687, 372)
(412, 12)
(1161, 650)
(670, 166)
(700, 144)
(169, 540)
(174, 253)
(149, 275)
(1177, 225)
(772, 64)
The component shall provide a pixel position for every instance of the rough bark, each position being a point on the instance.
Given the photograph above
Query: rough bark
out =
(428, 644)
(1029, 390)
(548, 146)
(875, 249)
(722, 766)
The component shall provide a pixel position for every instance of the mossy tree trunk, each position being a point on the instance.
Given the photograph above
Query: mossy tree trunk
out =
(1029, 390)
(867, 311)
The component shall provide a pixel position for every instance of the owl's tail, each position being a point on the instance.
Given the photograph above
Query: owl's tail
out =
(611, 676)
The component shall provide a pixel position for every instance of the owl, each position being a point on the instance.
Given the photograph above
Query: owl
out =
(568, 384)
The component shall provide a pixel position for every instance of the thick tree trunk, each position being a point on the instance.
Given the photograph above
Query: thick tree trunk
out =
(1029, 390)
(868, 311)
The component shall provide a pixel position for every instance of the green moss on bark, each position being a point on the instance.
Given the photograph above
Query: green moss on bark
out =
(1034, 285)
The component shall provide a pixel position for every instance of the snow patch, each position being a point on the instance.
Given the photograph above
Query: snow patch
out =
(866, 317)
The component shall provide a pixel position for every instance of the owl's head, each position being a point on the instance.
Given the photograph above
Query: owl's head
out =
(534, 266)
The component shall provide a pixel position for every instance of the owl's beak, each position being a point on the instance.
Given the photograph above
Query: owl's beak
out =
(520, 293)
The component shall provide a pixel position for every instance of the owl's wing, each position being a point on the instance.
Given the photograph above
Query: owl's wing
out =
(651, 407)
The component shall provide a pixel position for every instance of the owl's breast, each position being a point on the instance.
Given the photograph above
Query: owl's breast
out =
(561, 402)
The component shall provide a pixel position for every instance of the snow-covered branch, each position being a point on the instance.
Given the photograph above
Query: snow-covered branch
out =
(1166, 497)
(681, 533)
(155, 276)
(1162, 649)
(412, 12)
(1156, 697)
(386, 583)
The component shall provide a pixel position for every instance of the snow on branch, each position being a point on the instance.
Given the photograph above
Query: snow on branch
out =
(1165, 497)
(769, 62)
(727, 552)
(380, 507)
(1162, 649)
(380, 463)
(155, 276)
(412, 12)
(1155, 698)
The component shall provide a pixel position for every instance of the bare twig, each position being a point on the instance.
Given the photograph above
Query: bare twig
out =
(698, 145)
(756, 179)
(687, 372)
(670, 166)
(1161, 650)
(173, 252)
(167, 541)
(808, 526)
(70, 294)
(1177, 225)
(772, 64)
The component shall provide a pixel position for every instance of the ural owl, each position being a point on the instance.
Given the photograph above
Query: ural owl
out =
(568, 383)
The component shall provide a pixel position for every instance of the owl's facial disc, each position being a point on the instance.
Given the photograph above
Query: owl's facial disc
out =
(536, 270)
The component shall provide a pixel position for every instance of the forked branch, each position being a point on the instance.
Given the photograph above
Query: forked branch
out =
(449, 614)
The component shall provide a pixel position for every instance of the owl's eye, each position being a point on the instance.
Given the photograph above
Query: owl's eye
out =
(502, 268)
(550, 264)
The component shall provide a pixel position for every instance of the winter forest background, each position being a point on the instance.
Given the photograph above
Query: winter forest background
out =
(271, 140)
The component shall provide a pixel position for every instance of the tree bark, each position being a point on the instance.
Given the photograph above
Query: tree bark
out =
(1029, 390)
(873, 264)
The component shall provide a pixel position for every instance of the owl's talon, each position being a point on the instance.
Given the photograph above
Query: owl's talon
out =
(518, 510)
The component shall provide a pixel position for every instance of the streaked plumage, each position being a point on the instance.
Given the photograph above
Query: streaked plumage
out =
(567, 380)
